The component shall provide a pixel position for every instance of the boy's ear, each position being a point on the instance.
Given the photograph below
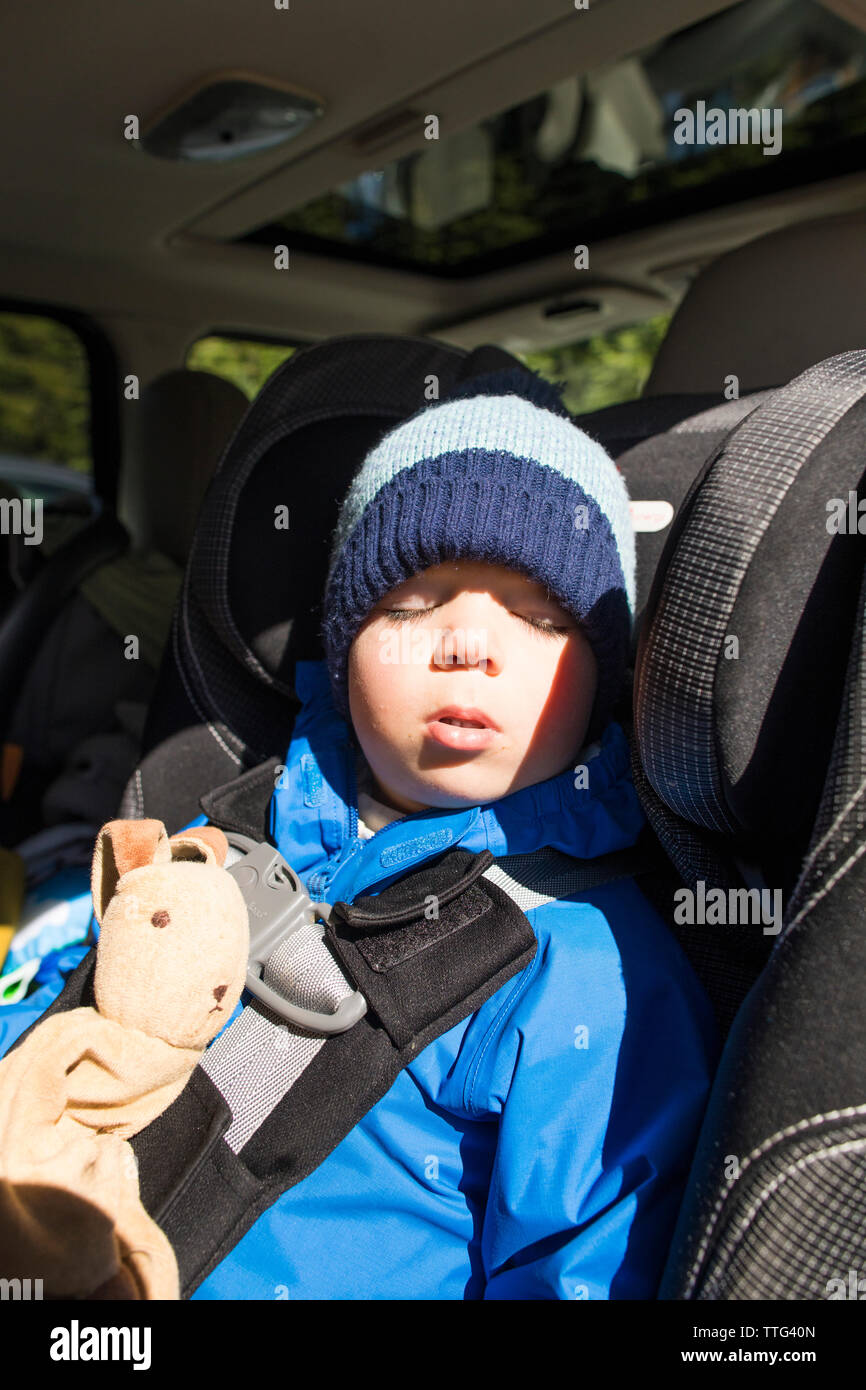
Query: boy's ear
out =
(122, 845)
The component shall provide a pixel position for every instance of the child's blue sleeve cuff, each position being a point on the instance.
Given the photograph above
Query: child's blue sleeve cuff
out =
(51, 977)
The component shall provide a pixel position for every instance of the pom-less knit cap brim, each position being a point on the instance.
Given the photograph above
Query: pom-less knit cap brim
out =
(496, 478)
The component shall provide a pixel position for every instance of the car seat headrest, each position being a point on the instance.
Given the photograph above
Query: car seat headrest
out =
(177, 434)
(747, 629)
(768, 310)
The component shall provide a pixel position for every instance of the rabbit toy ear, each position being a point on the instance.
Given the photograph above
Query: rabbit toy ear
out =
(122, 845)
(206, 842)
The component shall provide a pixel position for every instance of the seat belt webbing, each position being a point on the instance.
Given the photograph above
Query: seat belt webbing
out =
(257, 1059)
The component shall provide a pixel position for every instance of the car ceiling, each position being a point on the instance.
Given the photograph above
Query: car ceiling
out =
(93, 223)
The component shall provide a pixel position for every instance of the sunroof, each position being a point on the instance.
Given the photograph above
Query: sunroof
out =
(767, 95)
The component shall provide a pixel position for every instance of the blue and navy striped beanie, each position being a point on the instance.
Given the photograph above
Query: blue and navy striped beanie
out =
(495, 471)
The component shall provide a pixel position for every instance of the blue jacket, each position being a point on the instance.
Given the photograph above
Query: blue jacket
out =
(539, 1148)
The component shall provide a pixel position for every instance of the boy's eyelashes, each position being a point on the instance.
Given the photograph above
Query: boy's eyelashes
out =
(408, 615)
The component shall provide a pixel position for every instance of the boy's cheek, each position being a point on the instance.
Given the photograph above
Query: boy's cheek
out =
(377, 687)
(572, 690)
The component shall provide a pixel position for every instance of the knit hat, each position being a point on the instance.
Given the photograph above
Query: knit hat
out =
(495, 471)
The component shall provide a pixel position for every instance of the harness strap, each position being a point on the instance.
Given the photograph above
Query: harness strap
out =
(258, 1058)
(420, 978)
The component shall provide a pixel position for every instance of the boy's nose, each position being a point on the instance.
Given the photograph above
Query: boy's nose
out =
(467, 636)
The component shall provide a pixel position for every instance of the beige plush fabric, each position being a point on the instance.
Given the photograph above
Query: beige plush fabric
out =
(70, 1096)
(171, 963)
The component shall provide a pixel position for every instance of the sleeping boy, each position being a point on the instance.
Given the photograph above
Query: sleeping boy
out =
(538, 1149)
(476, 627)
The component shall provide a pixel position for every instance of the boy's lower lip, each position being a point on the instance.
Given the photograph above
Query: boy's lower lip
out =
(459, 736)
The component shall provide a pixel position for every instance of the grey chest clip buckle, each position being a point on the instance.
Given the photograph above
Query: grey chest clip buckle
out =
(279, 905)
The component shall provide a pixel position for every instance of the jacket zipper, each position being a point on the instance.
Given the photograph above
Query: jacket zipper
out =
(319, 883)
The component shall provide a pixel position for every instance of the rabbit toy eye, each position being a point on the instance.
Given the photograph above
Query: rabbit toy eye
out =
(161, 918)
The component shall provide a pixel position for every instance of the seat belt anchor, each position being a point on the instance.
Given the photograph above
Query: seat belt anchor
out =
(278, 905)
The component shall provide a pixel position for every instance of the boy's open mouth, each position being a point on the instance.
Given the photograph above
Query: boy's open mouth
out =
(464, 717)
(462, 728)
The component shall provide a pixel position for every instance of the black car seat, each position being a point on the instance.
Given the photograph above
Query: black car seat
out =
(70, 698)
(750, 754)
(732, 804)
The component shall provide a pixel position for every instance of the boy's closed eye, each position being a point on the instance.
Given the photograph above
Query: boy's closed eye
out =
(543, 625)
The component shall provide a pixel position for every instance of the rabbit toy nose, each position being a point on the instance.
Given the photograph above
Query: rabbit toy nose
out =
(219, 992)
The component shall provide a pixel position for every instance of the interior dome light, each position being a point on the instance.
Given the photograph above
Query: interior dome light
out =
(230, 118)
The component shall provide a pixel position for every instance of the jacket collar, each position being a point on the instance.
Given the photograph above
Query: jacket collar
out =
(314, 809)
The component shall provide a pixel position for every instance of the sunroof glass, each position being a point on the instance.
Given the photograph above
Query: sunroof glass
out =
(767, 95)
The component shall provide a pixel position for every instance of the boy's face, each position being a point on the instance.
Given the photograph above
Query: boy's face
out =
(474, 648)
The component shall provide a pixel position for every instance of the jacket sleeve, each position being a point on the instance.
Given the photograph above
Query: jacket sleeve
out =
(54, 969)
(602, 1073)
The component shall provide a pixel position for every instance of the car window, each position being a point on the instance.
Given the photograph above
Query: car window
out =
(45, 407)
(243, 361)
(604, 370)
(631, 145)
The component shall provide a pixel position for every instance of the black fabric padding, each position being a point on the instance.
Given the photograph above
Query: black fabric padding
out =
(789, 1098)
(277, 577)
(243, 804)
(672, 538)
(258, 714)
(169, 1150)
(621, 426)
(413, 990)
(796, 1050)
(777, 706)
(727, 961)
(669, 467)
(383, 950)
(168, 785)
(403, 900)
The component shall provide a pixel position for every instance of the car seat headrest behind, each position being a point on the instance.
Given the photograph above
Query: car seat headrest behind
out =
(769, 309)
(177, 434)
(748, 625)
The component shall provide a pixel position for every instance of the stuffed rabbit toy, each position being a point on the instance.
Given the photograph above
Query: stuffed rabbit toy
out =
(170, 967)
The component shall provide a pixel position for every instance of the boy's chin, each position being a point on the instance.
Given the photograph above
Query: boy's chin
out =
(456, 792)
